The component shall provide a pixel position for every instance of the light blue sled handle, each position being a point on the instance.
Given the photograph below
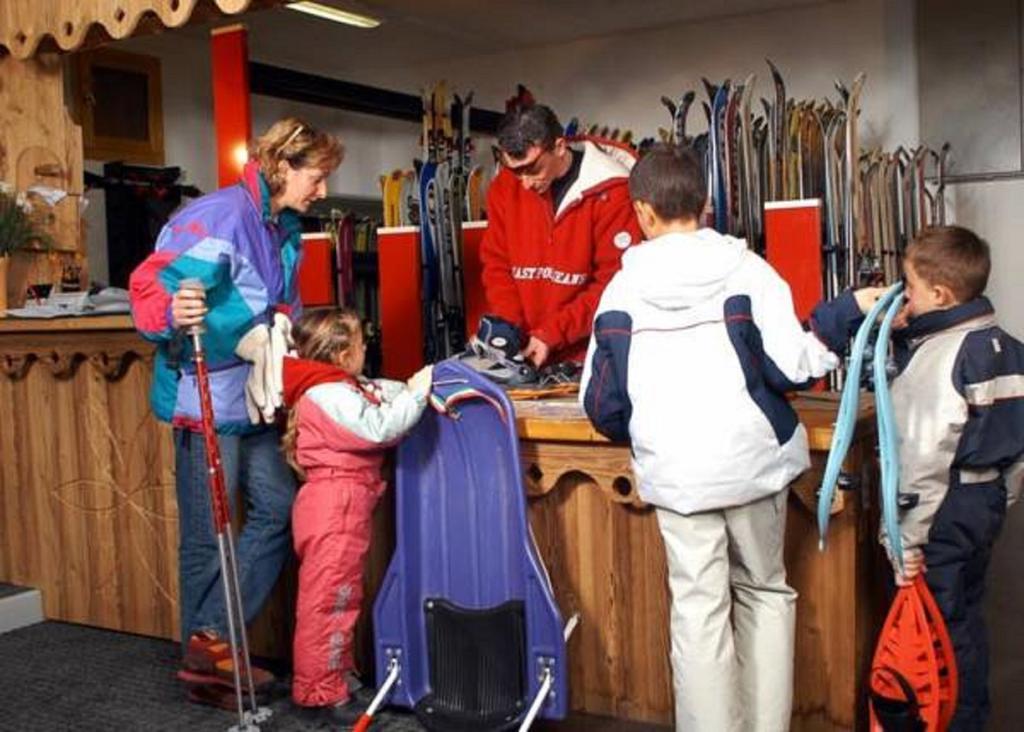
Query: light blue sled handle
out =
(888, 437)
(846, 416)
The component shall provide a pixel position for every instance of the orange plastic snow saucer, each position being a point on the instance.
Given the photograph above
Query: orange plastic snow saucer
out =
(913, 682)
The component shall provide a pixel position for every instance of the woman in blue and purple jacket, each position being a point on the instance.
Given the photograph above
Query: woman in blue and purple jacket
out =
(229, 260)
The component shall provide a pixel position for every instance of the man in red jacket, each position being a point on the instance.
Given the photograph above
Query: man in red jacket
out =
(559, 219)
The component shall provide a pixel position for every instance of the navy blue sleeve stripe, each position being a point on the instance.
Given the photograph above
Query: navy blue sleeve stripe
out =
(988, 354)
(606, 400)
(992, 436)
(990, 375)
(765, 381)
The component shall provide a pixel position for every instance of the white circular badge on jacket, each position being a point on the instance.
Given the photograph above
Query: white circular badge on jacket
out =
(622, 240)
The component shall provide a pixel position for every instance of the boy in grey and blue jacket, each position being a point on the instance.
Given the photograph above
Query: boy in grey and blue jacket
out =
(958, 401)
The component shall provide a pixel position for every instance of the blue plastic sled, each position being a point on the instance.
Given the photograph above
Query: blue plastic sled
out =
(466, 613)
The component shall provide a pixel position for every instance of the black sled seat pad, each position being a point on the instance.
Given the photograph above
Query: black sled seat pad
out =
(476, 662)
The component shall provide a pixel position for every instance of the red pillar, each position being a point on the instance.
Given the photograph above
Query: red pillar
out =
(229, 55)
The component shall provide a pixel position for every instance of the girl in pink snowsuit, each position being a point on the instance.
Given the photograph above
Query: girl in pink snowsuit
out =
(338, 428)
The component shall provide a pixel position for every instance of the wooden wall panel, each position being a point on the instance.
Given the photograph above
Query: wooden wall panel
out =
(88, 513)
(87, 485)
(606, 562)
(40, 145)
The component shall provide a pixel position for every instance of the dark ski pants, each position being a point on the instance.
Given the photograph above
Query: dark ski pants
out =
(957, 557)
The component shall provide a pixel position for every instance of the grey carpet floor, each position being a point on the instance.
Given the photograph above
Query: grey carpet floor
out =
(7, 590)
(60, 676)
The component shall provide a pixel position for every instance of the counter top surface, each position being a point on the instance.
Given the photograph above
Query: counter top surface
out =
(60, 325)
(558, 419)
(564, 420)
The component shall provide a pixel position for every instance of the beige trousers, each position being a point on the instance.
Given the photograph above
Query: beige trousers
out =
(732, 617)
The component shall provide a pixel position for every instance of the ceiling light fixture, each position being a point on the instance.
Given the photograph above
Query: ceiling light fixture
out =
(338, 16)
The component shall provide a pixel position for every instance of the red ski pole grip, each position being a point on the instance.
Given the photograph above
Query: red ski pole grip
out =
(218, 494)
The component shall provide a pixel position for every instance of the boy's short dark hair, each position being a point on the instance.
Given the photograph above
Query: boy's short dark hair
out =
(523, 127)
(952, 256)
(670, 178)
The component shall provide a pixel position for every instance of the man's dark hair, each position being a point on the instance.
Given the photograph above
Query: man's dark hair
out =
(670, 178)
(524, 127)
(952, 256)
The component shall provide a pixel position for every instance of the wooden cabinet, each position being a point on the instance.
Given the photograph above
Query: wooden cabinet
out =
(118, 97)
(87, 507)
(605, 556)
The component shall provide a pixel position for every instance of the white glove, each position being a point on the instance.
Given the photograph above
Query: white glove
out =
(420, 382)
(281, 345)
(255, 348)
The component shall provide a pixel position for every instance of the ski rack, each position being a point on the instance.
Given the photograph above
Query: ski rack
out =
(874, 202)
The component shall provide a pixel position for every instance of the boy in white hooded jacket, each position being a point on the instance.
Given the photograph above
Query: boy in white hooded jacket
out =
(695, 343)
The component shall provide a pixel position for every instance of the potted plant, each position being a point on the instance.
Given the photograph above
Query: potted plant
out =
(17, 231)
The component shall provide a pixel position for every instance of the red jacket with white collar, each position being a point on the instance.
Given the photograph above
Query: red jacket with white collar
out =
(545, 270)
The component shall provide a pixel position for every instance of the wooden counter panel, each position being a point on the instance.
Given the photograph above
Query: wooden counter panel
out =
(563, 419)
(89, 513)
(606, 562)
(604, 552)
(89, 517)
(87, 484)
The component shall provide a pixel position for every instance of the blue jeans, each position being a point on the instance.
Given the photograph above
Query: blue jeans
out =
(256, 463)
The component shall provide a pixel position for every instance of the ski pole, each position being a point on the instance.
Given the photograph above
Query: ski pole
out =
(394, 668)
(247, 721)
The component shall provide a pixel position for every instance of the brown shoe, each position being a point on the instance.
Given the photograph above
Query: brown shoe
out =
(210, 655)
(222, 697)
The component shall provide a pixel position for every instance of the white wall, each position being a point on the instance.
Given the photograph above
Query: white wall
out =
(373, 144)
(993, 209)
(188, 128)
(618, 80)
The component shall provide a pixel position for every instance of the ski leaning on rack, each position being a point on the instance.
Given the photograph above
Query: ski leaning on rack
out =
(443, 183)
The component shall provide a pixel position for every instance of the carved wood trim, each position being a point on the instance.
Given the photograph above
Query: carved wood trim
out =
(28, 26)
(15, 365)
(551, 466)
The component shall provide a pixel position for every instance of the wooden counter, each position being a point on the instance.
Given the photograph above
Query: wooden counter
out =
(605, 556)
(86, 481)
(89, 517)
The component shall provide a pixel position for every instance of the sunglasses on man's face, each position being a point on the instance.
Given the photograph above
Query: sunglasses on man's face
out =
(527, 168)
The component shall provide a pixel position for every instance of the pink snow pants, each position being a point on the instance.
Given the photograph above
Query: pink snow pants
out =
(331, 525)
